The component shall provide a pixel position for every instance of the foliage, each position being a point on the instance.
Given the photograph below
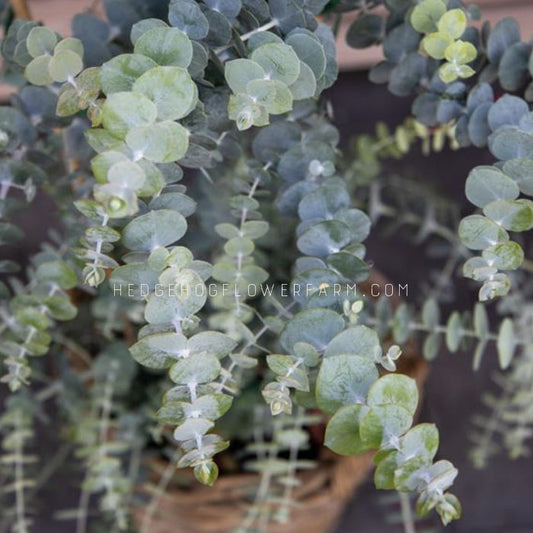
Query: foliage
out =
(135, 127)
(478, 118)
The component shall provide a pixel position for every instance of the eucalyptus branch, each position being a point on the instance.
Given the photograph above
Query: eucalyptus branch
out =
(16, 426)
(182, 99)
(257, 509)
(407, 513)
(159, 492)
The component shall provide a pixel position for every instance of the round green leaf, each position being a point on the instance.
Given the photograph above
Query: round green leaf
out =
(156, 228)
(288, 374)
(357, 340)
(279, 61)
(192, 428)
(211, 342)
(195, 370)
(358, 222)
(141, 27)
(305, 86)
(478, 232)
(521, 171)
(37, 71)
(272, 94)
(65, 65)
(344, 379)
(101, 164)
(159, 351)
(405, 76)
(95, 234)
(199, 60)
(72, 44)
(188, 17)
(394, 389)
(57, 272)
(324, 238)
(172, 90)
(486, 184)
(166, 46)
(511, 143)
(239, 72)
(426, 14)
(506, 343)
(126, 174)
(435, 44)
(382, 425)
(505, 33)
(513, 215)
(421, 440)
(154, 179)
(481, 321)
(245, 112)
(460, 52)
(174, 200)
(121, 72)
(313, 326)
(508, 110)
(349, 266)
(132, 280)
(506, 256)
(184, 296)
(365, 31)
(387, 465)
(310, 51)
(449, 72)
(342, 431)
(431, 314)
(123, 111)
(262, 37)
(209, 407)
(162, 142)
(431, 346)
(452, 23)
(454, 331)
(41, 41)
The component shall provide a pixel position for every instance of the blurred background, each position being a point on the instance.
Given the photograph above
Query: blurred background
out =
(496, 499)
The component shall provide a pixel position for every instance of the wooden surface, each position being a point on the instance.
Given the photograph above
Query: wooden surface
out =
(56, 14)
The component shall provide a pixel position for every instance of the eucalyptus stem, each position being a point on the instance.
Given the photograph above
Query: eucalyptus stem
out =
(446, 273)
(83, 509)
(465, 332)
(85, 495)
(107, 405)
(407, 513)
(160, 490)
(265, 27)
(291, 469)
(103, 427)
(52, 465)
(245, 36)
(264, 484)
(21, 524)
(228, 373)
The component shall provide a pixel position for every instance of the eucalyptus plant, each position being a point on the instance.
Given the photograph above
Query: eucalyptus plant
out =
(185, 144)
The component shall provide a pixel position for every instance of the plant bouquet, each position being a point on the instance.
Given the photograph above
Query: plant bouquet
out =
(203, 304)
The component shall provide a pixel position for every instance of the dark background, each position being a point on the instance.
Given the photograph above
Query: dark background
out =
(495, 500)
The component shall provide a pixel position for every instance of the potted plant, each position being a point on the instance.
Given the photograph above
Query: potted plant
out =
(205, 306)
